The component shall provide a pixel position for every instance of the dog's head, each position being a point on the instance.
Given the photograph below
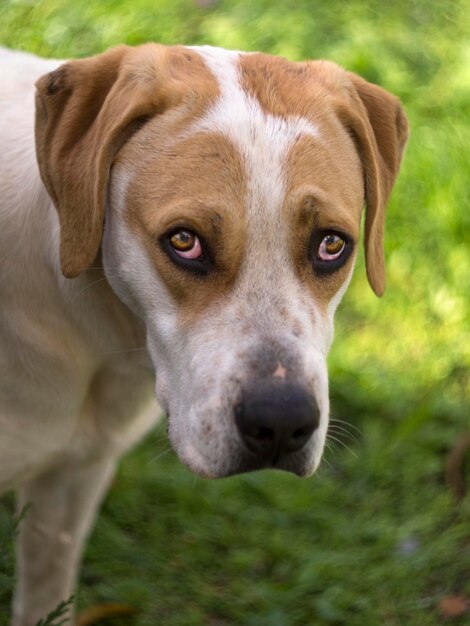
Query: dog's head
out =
(229, 188)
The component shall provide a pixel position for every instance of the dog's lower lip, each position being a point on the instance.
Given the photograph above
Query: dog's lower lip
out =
(275, 462)
(256, 465)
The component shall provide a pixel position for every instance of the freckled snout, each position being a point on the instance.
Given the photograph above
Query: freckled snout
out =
(276, 419)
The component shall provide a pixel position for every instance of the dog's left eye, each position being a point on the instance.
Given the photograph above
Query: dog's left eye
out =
(331, 247)
(187, 250)
(329, 251)
(186, 244)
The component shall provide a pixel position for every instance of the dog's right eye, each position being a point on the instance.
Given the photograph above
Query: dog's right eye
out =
(185, 248)
(186, 244)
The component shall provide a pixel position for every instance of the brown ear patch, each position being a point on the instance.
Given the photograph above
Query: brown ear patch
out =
(380, 128)
(86, 111)
(55, 81)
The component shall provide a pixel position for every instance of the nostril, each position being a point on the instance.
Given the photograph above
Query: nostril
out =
(258, 437)
(299, 433)
(299, 437)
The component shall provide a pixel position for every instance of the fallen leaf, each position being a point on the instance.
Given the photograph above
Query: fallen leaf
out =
(95, 614)
(453, 606)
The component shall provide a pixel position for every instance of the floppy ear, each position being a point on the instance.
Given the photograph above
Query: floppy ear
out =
(379, 128)
(85, 111)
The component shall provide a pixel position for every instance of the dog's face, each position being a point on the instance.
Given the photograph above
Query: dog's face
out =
(232, 223)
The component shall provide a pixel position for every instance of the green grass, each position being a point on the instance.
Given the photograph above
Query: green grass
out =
(376, 538)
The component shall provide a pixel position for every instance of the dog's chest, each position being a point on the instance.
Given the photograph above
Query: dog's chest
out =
(76, 381)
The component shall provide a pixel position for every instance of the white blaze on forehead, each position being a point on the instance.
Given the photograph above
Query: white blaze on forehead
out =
(263, 139)
(267, 276)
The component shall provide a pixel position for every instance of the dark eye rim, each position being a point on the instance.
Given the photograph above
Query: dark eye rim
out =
(200, 266)
(325, 268)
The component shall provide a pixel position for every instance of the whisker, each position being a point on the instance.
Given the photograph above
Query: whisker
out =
(335, 419)
(329, 446)
(325, 461)
(339, 430)
(329, 449)
(341, 443)
(122, 351)
(100, 280)
(328, 464)
(159, 456)
(159, 440)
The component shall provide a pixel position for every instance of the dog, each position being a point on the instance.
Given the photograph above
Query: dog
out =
(178, 222)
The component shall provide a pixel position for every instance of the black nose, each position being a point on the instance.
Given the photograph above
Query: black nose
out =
(276, 418)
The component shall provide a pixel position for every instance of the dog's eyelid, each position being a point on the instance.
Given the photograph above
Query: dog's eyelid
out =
(340, 231)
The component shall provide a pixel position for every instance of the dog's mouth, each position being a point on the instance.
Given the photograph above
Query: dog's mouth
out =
(300, 467)
(237, 459)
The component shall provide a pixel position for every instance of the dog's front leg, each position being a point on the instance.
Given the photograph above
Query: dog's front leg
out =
(61, 508)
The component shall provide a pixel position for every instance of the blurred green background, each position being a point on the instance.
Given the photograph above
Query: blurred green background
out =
(378, 536)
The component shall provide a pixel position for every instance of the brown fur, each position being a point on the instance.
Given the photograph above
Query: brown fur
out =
(197, 183)
(381, 131)
(317, 202)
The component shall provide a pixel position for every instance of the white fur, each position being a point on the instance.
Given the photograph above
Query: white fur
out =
(72, 396)
(75, 389)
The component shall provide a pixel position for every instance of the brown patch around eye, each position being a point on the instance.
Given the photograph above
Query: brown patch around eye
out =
(324, 197)
(189, 190)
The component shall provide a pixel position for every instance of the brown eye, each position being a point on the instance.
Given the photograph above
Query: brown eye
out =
(183, 240)
(331, 247)
(186, 244)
